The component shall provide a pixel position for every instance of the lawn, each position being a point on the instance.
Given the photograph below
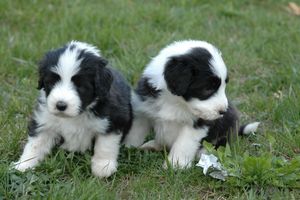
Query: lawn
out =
(260, 42)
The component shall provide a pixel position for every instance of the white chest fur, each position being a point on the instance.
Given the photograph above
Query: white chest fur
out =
(77, 132)
(166, 132)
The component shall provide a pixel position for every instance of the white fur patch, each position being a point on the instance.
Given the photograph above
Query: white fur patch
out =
(87, 47)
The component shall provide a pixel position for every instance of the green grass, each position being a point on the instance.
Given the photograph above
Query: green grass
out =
(260, 44)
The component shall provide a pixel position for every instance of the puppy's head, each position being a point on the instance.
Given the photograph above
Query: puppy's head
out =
(199, 75)
(73, 78)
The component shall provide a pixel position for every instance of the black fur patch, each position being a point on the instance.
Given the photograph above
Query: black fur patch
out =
(224, 129)
(191, 76)
(32, 126)
(145, 89)
(116, 106)
(199, 123)
(49, 80)
(60, 140)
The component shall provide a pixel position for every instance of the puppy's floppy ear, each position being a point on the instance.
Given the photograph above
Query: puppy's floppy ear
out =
(103, 79)
(177, 75)
(101, 62)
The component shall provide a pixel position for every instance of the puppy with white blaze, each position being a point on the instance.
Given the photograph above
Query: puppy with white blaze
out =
(83, 103)
(181, 95)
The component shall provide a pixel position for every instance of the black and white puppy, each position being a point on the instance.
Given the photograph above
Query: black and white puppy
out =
(182, 96)
(82, 101)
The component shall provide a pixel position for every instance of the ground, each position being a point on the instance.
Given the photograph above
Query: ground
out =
(260, 45)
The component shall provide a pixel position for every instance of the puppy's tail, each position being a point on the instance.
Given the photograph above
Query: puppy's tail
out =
(248, 128)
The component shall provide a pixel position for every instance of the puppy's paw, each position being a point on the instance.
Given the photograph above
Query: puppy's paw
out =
(23, 166)
(151, 145)
(104, 168)
(177, 163)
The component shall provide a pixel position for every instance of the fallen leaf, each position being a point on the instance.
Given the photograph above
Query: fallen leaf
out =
(294, 8)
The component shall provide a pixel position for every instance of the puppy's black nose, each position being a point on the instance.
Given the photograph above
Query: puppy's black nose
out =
(222, 112)
(61, 106)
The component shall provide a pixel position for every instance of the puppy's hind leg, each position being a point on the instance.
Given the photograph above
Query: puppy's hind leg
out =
(138, 132)
(151, 145)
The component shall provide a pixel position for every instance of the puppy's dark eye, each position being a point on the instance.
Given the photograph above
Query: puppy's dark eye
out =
(51, 79)
(214, 82)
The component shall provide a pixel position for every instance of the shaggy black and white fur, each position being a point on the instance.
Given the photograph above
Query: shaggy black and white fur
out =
(82, 102)
(182, 96)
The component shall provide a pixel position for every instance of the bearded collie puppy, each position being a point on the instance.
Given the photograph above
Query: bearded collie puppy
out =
(181, 95)
(82, 103)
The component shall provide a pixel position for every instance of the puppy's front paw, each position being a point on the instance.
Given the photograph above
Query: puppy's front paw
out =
(23, 166)
(104, 168)
(177, 163)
